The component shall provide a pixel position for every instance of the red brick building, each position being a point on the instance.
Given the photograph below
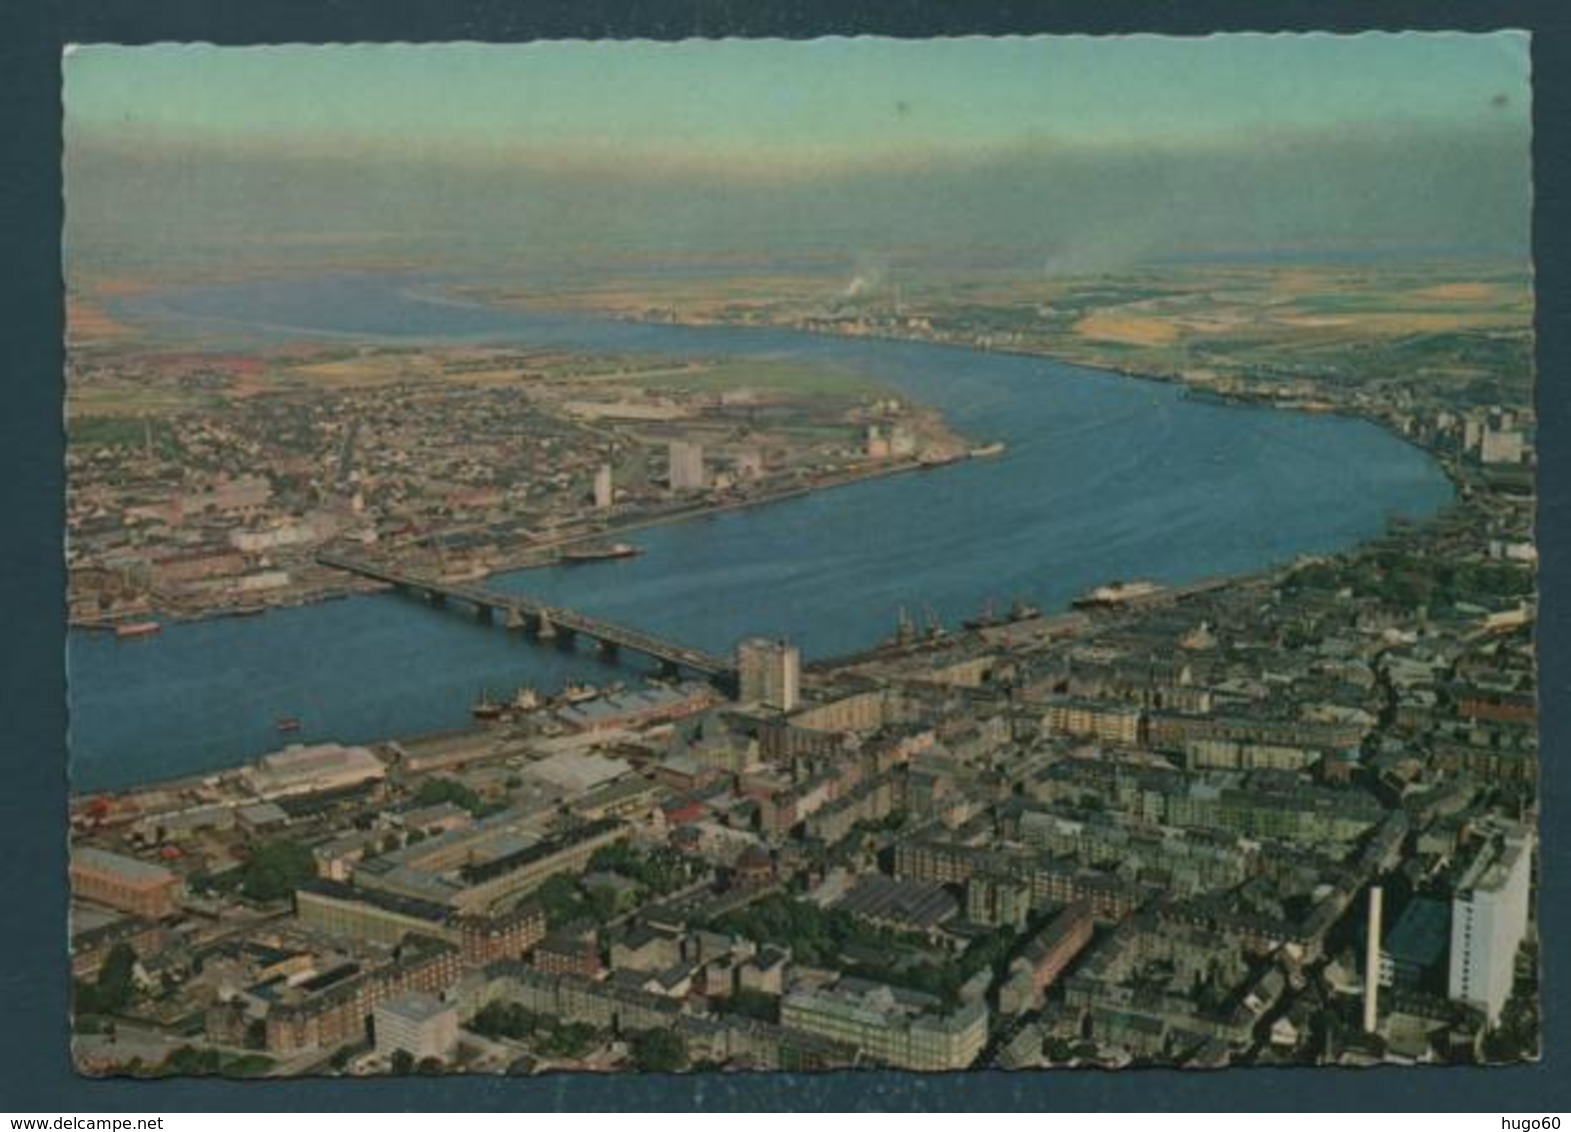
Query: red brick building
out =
(569, 953)
(133, 886)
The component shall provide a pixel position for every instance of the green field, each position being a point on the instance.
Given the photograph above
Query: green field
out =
(117, 432)
(765, 376)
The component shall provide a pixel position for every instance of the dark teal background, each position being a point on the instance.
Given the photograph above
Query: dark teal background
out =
(35, 1072)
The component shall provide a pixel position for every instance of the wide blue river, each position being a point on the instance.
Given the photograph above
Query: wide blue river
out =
(1105, 477)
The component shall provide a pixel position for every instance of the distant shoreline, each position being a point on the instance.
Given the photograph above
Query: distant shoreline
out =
(703, 510)
(1197, 391)
(531, 557)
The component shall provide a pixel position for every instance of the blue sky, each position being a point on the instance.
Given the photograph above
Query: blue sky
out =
(834, 96)
(1410, 128)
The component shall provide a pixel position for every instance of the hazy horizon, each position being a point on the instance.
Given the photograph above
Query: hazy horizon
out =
(1071, 153)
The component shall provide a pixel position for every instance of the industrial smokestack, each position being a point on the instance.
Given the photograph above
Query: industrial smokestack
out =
(1372, 964)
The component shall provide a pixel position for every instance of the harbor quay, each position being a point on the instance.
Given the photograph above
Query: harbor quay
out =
(1143, 827)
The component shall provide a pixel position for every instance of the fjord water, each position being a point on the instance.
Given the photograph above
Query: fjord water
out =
(1104, 477)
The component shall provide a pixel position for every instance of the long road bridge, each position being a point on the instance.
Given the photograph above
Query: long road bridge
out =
(547, 622)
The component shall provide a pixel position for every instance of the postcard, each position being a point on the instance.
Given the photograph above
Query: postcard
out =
(741, 554)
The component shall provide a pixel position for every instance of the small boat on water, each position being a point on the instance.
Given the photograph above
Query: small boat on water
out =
(286, 724)
(1115, 594)
(983, 451)
(987, 618)
(1019, 610)
(134, 629)
(486, 708)
(599, 553)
